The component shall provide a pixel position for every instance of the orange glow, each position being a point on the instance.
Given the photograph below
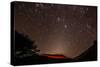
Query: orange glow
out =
(56, 57)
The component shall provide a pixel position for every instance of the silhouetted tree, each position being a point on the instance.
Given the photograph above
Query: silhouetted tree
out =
(24, 46)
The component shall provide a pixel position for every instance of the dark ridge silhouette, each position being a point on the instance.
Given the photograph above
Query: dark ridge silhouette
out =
(26, 53)
(90, 54)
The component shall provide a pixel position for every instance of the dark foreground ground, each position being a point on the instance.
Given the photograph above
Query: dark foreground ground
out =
(22, 54)
(89, 55)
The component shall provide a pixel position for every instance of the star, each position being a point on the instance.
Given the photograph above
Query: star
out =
(58, 19)
(65, 26)
(37, 5)
(88, 26)
(87, 9)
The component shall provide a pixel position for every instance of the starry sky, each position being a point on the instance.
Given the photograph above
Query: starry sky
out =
(57, 28)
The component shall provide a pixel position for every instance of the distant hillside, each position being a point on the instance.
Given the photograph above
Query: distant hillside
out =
(89, 55)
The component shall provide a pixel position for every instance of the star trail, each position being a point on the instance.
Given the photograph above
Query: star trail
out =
(57, 29)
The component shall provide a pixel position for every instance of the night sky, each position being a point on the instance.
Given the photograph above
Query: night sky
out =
(57, 29)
